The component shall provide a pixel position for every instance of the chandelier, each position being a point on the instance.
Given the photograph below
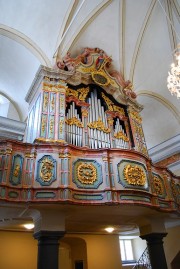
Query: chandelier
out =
(173, 80)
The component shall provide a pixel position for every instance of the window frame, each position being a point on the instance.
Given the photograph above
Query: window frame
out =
(126, 261)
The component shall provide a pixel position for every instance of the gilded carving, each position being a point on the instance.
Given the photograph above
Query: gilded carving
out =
(2, 152)
(99, 125)
(74, 121)
(53, 88)
(110, 121)
(118, 109)
(42, 139)
(43, 124)
(71, 92)
(61, 102)
(111, 106)
(30, 155)
(87, 173)
(109, 103)
(16, 170)
(64, 155)
(84, 112)
(83, 93)
(46, 171)
(158, 187)
(45, 101)
(121, 135)
(8, 151)
(135, 115)
(51, 126)
(134, 175)
(52, 103)
(139, 130)
(80, 94)
(176, 191)
(61, 122)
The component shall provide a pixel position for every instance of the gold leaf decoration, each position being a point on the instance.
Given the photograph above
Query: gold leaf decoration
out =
(134, 175)
(87, 173)
(99, 125)
(121, 135)
(74, 121)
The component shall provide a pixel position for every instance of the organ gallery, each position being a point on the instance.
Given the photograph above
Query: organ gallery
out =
(84, 141)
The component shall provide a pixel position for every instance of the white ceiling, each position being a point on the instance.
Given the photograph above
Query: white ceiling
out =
(141, 37)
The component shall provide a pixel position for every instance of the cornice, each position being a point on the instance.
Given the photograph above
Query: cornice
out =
(12, 129)
(165, 149)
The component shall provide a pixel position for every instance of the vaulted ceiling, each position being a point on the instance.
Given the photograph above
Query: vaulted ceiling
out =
(141, 37)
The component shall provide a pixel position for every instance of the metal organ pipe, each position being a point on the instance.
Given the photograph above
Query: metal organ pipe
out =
(97, 134)
(73, 131)
(97, 137)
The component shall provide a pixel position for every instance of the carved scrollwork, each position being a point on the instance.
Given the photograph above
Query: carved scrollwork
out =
(83, 93)
(111, 106)
(99, 125)
(46, 171)
(134, 175)
(135, 115)
(121, 135)
(79, 94)
(158, 187)
(74, 121)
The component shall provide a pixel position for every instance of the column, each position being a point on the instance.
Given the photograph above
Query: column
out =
(48, 248)
(156, 250)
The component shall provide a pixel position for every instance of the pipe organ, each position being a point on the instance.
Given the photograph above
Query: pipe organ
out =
(84, 144)
(101, 127)
(82, 110)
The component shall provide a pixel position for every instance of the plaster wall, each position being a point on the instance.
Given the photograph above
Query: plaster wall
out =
(103, 252)
(18, 250)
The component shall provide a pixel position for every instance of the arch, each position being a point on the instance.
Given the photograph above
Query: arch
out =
(163, 101)
(77, 246)
(13, 103)
(26, 42)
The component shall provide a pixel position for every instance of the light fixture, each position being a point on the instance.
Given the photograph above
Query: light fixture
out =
(109, 229)
(29, 226)
(173, 80)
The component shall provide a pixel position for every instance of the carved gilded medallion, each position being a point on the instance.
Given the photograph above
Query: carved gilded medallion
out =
(134, 175)
(87, 173)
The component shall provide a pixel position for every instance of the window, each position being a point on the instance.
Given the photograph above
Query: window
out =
(126, 251)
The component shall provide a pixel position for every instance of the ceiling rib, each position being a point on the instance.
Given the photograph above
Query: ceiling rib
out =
(66, 22)
(26, 42)
(140, 38)
(122, 37)
(13, 103)
(69, 26)
(170, 23)
(176, 9)
(91, 16)
(163, 101)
